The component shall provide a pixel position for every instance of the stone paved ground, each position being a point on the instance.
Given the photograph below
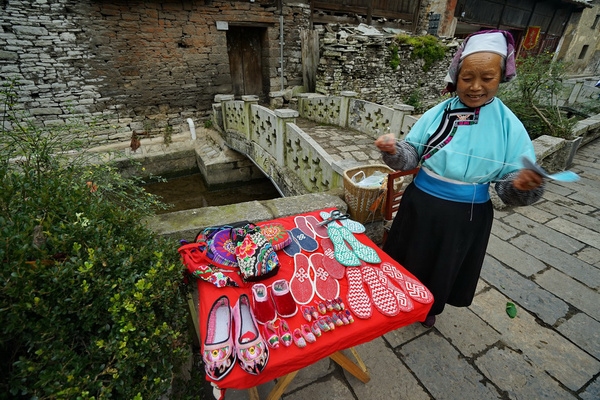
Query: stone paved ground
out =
(546, 260)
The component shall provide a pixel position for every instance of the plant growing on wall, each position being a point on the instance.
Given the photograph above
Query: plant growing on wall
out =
(427, 48)
(533, 96)
(91, 303)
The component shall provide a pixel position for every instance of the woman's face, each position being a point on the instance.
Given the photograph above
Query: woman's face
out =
(478, 78)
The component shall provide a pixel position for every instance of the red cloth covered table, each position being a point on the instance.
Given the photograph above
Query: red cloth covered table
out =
(285, 360)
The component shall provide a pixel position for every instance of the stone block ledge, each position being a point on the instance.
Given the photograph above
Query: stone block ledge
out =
(187, 224)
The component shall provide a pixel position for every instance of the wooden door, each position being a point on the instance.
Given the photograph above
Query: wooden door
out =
(245, 54)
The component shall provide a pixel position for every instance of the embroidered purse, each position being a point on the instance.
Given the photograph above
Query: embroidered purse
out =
(255, 255)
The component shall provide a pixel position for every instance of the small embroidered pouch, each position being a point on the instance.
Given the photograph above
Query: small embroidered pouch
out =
(255, 255)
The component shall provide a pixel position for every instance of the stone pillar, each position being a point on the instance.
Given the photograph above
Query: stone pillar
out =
(345, 107)
(397, 124)
(248, 100)
(276, 99)
(284, 116)
(221, 120)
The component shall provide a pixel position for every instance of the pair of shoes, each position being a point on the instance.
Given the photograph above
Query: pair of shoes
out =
(429, 321)
(273, 300)
(303, 335)
(310, 277)
(221, 348)
(277, 335)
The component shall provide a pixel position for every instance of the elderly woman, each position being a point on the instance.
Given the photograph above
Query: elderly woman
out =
(441, 231)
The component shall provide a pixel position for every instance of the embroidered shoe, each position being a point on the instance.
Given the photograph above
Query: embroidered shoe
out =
(307, 333)
(336, 319)
(315, 329)
(282, 297)
(306, 314)
(349, 316)
(323, 325)
(298, 338)
(262, 306)
(271, 335)
(251, 350)
(284, 333)
(218, 353)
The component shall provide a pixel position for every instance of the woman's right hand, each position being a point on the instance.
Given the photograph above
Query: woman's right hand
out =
(386, 143)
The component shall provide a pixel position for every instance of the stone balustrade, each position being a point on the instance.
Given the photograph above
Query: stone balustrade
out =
(293, 160)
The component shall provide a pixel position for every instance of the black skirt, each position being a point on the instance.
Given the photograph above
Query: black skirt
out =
(443, 243)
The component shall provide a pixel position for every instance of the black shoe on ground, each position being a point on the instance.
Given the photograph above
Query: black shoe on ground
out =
(429, 321)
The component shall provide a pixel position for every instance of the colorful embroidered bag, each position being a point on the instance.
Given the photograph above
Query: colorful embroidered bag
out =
(255, 255)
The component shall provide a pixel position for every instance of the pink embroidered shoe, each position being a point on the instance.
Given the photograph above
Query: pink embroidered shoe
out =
(329, 305)
(349, 316)
(298, 338)
(218, 353)
(336, 319)
(329, 322)
(282, 297)
(251, 350)
(315, 329)
(340, 303)
(306, 313)
(262, 305)
(284, 333)
(322, 308)
(323, 325)
(271, 335)
(307, 333)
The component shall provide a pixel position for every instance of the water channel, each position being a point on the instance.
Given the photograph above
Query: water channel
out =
(191, 191)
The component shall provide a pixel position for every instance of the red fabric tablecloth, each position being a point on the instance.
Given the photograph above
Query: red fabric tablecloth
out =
(289, 359)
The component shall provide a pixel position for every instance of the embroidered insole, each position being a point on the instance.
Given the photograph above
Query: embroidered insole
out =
(342, 253)
(306, 242)
(358, 300)
(415, 290)
(293, 248)
(326, 286)
(301, 284)
(301, 224)
(404, 302)
(313, 222)
(361, 250)
(383, 299)
(333, 266)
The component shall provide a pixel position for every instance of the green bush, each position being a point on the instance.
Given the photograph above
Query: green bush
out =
(91, 302)
(533, 96)
(427, 48)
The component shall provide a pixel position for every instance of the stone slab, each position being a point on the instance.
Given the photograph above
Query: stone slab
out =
(383, 364)
(443, 371)
(562, 261)
(584, 331)
(542, 346)
(512, 256)
(524, 292)
(568, 289)
(332, 388)
(513, 374)
(465, 330)
(542, 232)
(576, 231)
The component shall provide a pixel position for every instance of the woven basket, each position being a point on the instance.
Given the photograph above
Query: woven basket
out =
(360, 199)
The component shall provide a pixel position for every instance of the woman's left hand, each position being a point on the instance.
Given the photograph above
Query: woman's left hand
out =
(528, 180)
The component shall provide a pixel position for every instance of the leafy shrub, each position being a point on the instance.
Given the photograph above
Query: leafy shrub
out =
(90, 301)
(427, 48)
(533, 96)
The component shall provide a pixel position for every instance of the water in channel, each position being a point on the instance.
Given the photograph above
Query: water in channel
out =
(190, 191)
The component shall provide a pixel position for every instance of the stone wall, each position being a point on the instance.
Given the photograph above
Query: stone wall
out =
(361, 63)
(149, 64)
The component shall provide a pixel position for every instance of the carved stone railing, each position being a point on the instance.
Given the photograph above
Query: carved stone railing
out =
(363, 116)
(294, 161)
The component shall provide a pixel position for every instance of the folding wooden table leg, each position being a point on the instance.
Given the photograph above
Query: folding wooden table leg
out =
(346, 363)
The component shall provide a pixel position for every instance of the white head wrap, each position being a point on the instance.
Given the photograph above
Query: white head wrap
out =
(493, 42)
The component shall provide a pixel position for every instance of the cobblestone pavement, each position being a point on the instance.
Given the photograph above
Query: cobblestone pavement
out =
(543, 258)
